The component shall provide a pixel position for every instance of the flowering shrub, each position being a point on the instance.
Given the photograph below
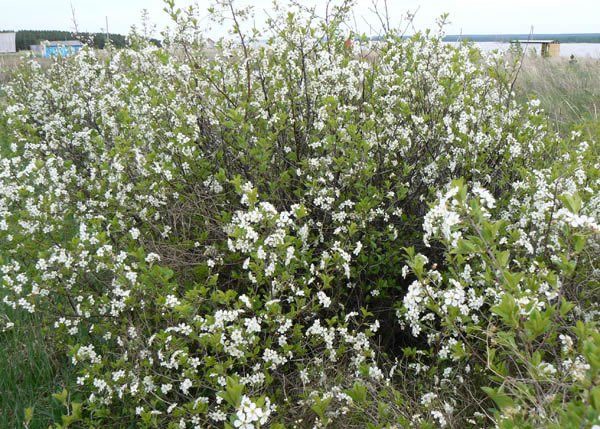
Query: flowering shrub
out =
(215, 237)
(500, 309)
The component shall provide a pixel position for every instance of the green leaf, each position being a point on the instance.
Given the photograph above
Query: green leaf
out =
(537, 324)
(512, 280)
(76, 410)
(67, 420)
(464, 247)
(595, 397)
(565, 307)
(320, 406)
(579, 241)
(507, 310)
(233, 392)
(572, 202)
(28, 415)
(503, 258)
(358, 393)
(501, 399)
(61, 397)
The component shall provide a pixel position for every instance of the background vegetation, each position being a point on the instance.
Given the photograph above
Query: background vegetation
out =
(26, 38)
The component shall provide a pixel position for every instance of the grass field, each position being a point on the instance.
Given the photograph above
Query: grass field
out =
(30, 374)
(569, 92)
(7, 63)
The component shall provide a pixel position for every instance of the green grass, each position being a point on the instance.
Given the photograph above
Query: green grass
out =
(30, 372)
(29, 375)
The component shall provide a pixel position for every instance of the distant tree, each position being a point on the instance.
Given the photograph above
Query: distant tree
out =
(26, 38)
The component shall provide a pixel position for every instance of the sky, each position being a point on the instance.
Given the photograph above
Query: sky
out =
(466, 16)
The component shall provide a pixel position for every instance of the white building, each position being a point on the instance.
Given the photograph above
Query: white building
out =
(8, 43)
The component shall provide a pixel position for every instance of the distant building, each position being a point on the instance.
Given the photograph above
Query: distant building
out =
(8, 43)
(549, 48)
(62, 48)
(38, 50)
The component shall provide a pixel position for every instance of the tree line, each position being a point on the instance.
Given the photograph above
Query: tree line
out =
(26, 38)
(562, 38)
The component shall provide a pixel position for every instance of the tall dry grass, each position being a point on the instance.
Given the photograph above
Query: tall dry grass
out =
(569, 91)
(10, 62)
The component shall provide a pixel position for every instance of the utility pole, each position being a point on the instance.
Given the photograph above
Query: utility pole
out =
(107, 37)
(74, 19)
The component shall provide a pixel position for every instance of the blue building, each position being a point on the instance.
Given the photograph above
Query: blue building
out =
(61, 48)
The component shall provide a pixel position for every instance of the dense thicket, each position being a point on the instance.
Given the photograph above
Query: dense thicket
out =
(305, 232)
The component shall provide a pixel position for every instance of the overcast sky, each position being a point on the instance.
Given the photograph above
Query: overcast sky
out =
(466, 16)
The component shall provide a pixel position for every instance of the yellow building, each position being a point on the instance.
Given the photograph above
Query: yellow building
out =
(548, 48)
